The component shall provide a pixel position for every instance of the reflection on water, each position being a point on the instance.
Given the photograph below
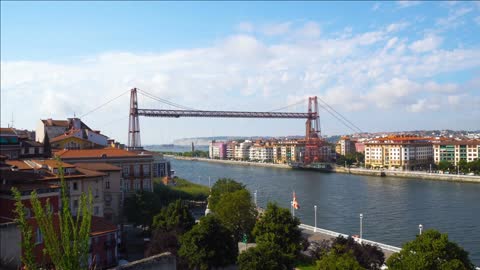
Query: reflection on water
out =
(392, 207)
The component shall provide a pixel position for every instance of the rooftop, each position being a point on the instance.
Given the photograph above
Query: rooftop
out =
(98, 153)
(100, 166)
(101, 226)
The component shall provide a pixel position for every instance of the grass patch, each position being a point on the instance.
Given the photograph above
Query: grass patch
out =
(184, 190)
(306, 267)
(194, 190)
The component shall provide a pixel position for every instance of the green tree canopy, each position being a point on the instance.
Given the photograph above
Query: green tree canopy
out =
(368, 256)
(430, 250)
(208, 244)
(223, 186)
(278, 226)
(141, 207)
(237, 212)
(176, 217)
(335, 260)
(444, 165)
(265, 256)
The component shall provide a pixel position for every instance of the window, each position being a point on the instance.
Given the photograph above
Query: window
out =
(96, 211)
(75, 204)
(107, 184)
(96, 193)
(146, 169)
(28, 213)
(136, 170)
(126, 170)
(108, 203)
(38, 237)
(75, 186)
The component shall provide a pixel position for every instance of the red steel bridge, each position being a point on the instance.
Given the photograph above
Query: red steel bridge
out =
(313, 140)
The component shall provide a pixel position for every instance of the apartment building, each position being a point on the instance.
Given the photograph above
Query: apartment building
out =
(137, 173)
(217, 150)
(399, 152)
(345, 146)
(454, 151)
(230, 150)
(288, 151)
(242, 150)
(103, 234)
(112, 189)
(261, 153)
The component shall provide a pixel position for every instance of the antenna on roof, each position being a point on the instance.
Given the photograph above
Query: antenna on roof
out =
(12, 121)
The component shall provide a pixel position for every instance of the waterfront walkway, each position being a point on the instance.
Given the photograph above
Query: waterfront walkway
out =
(318, 234)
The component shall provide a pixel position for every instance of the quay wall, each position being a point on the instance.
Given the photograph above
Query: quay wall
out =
(357, 171)
(410, 174)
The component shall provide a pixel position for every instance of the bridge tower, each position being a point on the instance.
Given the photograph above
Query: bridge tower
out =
(133, 123)
(312, 132)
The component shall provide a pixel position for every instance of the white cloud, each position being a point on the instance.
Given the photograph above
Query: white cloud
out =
(422, 105)
(366, 71)
(394, 27)
(406, 4)
(454, 18)
(429, 43)
(309, 30)
(376, 6)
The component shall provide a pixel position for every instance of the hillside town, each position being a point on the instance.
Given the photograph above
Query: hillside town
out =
(89, 162)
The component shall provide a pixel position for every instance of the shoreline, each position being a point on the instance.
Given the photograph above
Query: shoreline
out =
(355, 171)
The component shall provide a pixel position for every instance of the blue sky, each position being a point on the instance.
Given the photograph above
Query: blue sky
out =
(386, 66)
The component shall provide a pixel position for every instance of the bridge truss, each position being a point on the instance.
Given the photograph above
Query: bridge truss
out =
(312, 132)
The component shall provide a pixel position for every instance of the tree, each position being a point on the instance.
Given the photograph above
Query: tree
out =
(463, 166)
(208, 244)
(265, 256)
(335, 260)
(176, 218)
(278, 226)
(430, 250)
(222, 186)
(67, 243)
(444, 165)
(368, 256)
(141, 207)
(237, 212)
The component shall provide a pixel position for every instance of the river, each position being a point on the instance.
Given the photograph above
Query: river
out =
(392, 207)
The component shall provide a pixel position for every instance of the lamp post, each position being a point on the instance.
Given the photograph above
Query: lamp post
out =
(361, 226)
(420, 228)
(315, 208)
(255, 198)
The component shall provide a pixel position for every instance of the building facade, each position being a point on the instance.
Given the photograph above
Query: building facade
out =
(399, 152)
(242, 150)
(217, 150)
(345, 146)
(455, 151)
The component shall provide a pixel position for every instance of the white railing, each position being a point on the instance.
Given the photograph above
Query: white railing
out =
(336, 234)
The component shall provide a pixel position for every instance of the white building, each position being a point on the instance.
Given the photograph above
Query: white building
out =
(242, 150)
(261, 153)
(399, 152)
(454, 151)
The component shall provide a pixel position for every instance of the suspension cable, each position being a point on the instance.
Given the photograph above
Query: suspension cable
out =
(147, 94)
(339, 114)
(104, 104)
(288, 106)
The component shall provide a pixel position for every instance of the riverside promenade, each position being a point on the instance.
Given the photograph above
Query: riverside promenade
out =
(317, 234)
(357, 171)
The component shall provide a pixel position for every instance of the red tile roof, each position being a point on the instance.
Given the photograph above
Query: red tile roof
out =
(7, 131)
(101, 226)
(20, 164)
(97, 153)
(100, 166)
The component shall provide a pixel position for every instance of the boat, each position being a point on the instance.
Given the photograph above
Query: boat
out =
(316, 166)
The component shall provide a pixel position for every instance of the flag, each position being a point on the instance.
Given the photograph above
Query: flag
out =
(294, 202)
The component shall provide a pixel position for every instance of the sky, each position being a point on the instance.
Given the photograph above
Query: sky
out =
(385, 66)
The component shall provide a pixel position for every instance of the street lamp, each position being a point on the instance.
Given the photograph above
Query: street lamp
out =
(420, 228)
(255, 198)
(361, 226)
(315, 208)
